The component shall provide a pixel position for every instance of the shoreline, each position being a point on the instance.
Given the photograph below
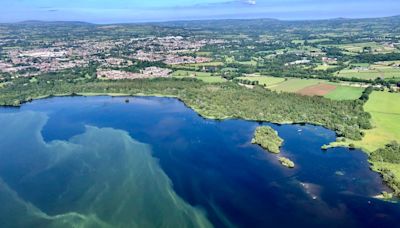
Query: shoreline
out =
(198, 111)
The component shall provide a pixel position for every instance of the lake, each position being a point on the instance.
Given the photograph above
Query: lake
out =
(153, 162)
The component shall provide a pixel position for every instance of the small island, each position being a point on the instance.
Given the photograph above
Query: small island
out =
(286, 162)
(268, 139)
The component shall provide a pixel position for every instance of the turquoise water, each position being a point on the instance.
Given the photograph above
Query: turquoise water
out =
(152, 162)
(100, 178)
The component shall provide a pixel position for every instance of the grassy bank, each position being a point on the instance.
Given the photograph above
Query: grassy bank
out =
(384, 109)
(386, 161)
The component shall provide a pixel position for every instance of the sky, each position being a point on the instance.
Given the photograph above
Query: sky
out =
(124, 11)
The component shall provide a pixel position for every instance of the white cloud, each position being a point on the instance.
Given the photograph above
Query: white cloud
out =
(250, 2)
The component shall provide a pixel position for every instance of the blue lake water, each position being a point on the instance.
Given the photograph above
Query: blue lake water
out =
(153, 162)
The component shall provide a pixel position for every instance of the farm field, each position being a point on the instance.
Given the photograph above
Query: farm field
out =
(187, 73)
(196, 66)
(372, 73)
(388, 63)
(359, 47)
(204, 53)
(298, 41)
(249, 63)
(324, 67)
(208, 79)
(321, 89)
(204, 64)
(204, 76)
(355, 47)
(310, 87)
(360, 65)
(385, 111)
(311, 41)
(332, 91)
(264, 80)
(345, 93)
(294, 85)
(212, 79)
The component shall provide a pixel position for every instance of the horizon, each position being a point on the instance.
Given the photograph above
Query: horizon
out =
(125, 11)
(194, 20)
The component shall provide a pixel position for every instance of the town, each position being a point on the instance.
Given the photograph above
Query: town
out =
(57, 56)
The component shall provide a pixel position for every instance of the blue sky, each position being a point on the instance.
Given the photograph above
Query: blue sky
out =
(113, 11)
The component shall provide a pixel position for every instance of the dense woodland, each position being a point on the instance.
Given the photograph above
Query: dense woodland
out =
(220, 101)
(390, 154)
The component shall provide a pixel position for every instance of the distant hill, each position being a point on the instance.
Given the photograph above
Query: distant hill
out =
(251, 27)
(220, 22)
(52, 22)
(49, 23)
(260, 25)
(248, 22)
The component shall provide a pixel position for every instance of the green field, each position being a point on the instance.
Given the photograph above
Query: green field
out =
(324, 67)
(345, 93)
(208, 79)
(294, 85)
(385, 110)
(229, 69)
(383, 67)
(196, 66)
(204, 76)
(298, 41)
(248, 63)
(212, 79)
(358, 47)
(205, 64)
(388, 63)
(385, 116)
(204, 53)
(187, 73)
(229, 59)
(373, 73)
(264, 80)
(313, 41)
(360, 64)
